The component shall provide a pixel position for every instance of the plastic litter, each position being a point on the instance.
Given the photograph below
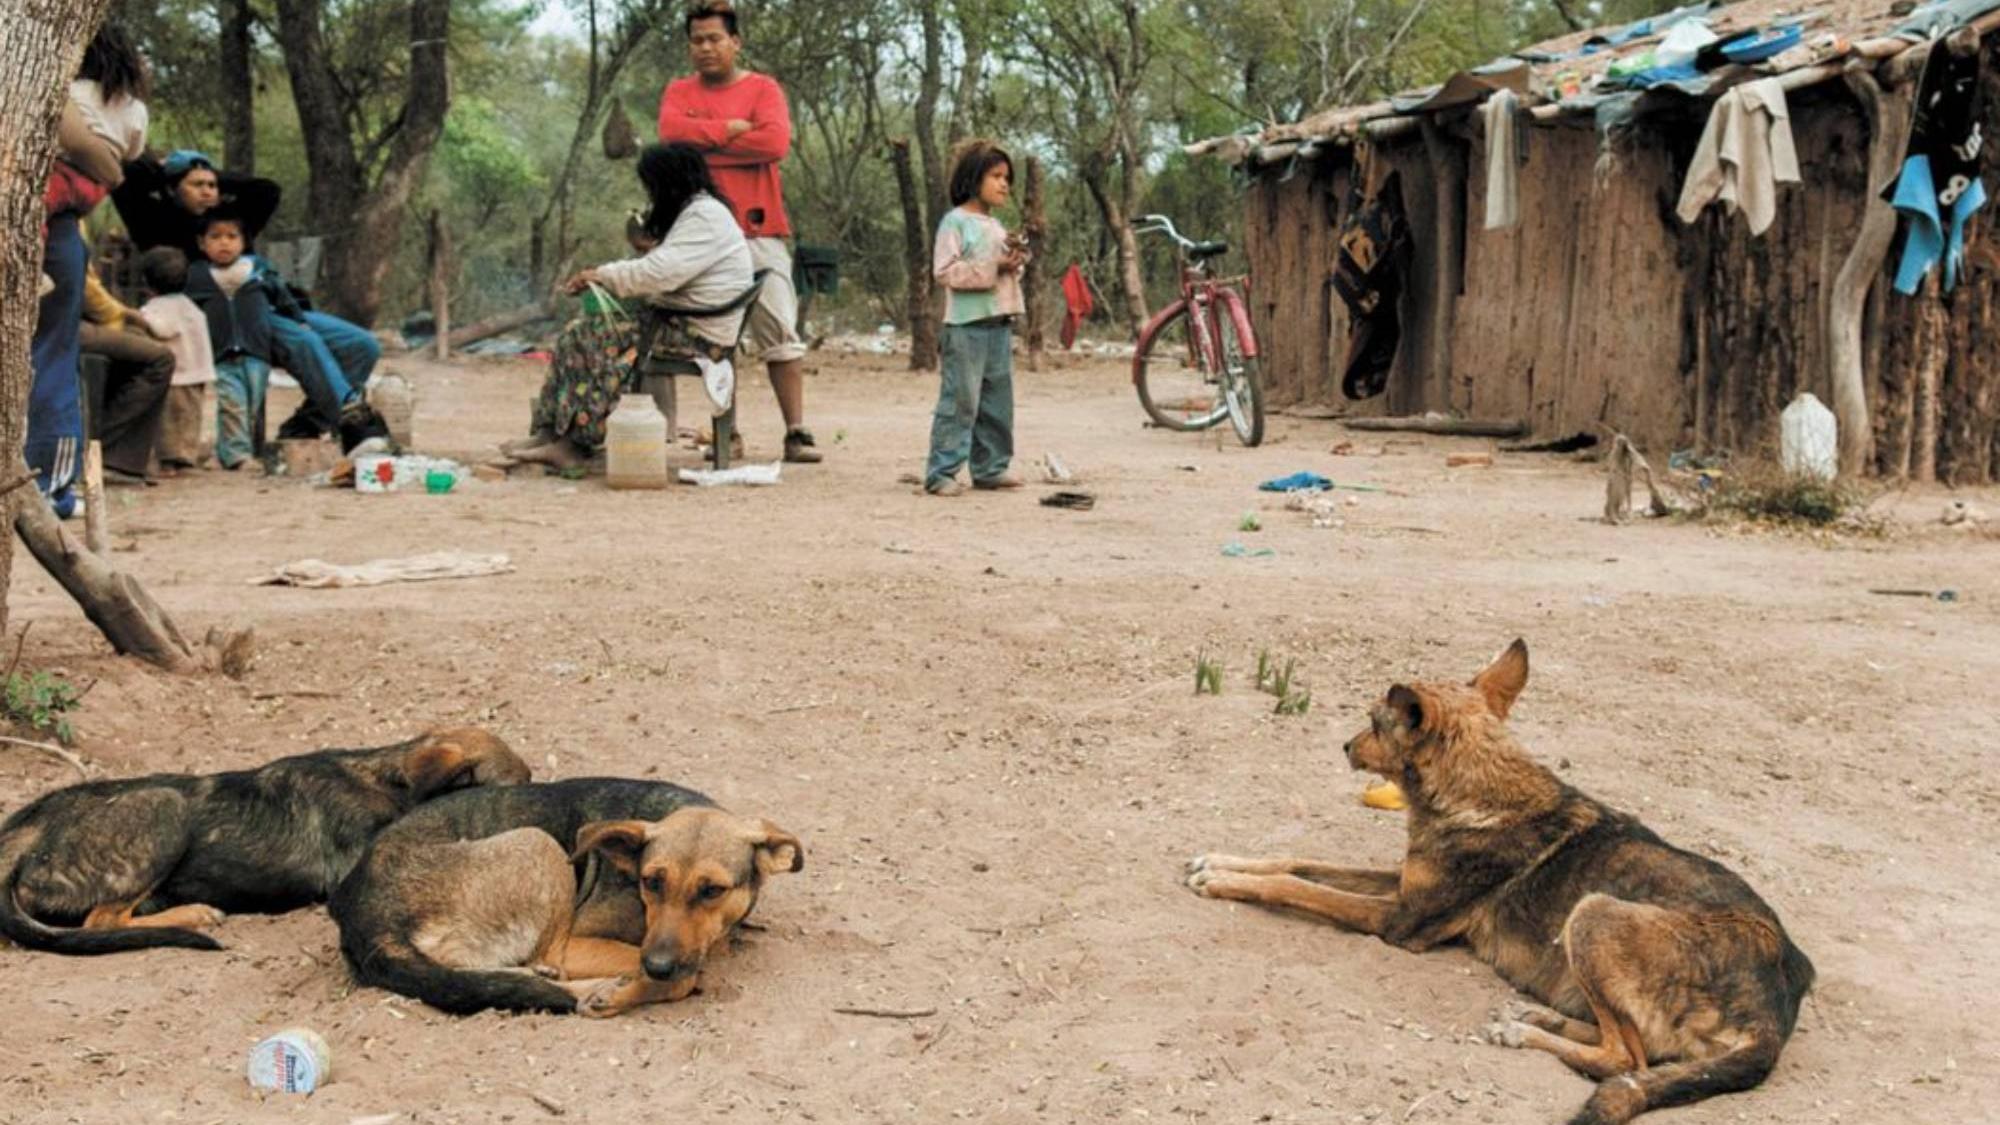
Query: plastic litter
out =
(1236, 550)
(756, 475)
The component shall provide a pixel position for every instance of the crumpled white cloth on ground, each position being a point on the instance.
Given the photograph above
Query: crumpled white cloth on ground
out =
(318, 575)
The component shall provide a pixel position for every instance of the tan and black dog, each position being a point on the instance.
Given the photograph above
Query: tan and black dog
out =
(1671, 980)
(108, 866)
(593, 895)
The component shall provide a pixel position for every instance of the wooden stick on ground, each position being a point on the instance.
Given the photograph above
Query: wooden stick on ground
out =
(1448, 427)
(72, 760)
(889, 1013)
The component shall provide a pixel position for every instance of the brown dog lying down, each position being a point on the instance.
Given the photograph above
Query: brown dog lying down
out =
(1670, 979)
(592, 895)
(151, 861)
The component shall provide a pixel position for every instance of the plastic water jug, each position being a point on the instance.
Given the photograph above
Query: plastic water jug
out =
(395, 400)
(1808, 442)
(635, 444)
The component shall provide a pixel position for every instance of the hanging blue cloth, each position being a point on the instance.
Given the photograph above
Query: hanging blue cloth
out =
(1932, 235)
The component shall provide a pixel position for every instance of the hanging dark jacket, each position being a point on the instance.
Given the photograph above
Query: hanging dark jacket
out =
(241, 324)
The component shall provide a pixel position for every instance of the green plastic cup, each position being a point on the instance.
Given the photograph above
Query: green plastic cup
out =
(437, 482)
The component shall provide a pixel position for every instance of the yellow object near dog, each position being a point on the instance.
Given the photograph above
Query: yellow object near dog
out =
(1385, 795)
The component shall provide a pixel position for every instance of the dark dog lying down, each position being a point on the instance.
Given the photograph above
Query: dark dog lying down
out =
(1670, 978)
(150, 861)
(475, 901)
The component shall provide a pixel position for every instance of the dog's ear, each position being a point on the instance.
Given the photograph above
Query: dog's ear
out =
(778, 851)
(1409, 707)
(439, 761)
(620, 842)
(1502, 681)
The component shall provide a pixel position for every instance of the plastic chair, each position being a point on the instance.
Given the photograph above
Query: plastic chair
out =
(655, 375)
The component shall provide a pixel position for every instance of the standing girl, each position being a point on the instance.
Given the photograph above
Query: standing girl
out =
(979, 265)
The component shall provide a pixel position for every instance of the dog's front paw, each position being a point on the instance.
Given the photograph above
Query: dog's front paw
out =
(1506, 1033)
(604, 1000)
(202, 917)
(546, 971)
(1199, 881)
(1197, 864)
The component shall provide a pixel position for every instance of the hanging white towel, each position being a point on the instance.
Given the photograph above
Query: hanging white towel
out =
(1503, 166)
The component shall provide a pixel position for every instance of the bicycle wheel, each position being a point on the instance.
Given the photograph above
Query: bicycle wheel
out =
(1242, 384)
(1174, 387)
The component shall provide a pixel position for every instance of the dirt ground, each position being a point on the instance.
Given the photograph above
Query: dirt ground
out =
(978, 714)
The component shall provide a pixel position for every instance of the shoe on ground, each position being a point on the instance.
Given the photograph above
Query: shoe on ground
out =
(301, 426)
(1003, 482)
(358, 423)
(944, 488)
(119, 478)
(799, 448)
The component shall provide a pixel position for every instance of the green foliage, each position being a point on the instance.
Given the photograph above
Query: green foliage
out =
(482, 162)
(1275, 681)
(1207, 675)
(41, 703)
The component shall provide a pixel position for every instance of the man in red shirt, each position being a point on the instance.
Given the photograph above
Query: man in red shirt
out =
(741, 123)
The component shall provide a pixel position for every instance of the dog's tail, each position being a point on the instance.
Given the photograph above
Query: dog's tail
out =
(1626, 1096)
(28, 932)
(400, 967)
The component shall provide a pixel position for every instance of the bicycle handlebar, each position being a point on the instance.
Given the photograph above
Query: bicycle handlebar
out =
(1151, 223)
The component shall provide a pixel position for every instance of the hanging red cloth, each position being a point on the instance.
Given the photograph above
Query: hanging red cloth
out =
(1076, 304)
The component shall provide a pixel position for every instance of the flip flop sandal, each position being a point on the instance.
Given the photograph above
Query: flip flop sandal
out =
(1076, 501)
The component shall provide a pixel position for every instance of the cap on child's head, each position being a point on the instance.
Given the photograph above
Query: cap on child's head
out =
(165, 269)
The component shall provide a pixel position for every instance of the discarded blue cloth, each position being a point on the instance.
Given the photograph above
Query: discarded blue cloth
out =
(1760, 45)
(1932, 235)
(1236, 550)
(1297, 482)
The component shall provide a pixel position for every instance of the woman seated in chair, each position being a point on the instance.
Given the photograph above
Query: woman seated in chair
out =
(692, 255)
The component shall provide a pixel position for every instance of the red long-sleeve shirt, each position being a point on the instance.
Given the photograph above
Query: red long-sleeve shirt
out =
(745, 166)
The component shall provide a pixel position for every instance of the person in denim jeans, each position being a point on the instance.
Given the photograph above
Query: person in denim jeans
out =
(979, 265)
(163, 203)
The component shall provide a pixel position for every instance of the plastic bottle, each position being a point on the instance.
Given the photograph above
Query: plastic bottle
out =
(395, 400)
(635, 444)
(294, 1061)
(1808, 443)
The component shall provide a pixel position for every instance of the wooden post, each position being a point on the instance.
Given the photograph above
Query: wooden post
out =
(440, 274)
(1448, 253)
(1933, 350)
(96, 521)
(1034, 225)
(1888, 116)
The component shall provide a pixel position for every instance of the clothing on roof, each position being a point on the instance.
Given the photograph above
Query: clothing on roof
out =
(1939, 187)
(1500, 116)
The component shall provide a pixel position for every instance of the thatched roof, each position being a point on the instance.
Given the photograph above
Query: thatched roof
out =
(1573, 74)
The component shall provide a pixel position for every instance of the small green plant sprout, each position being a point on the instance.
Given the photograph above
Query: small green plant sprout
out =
(1294, 703)
(1264, 669)
(41, 703)
(1250, 522)
(1276, 681)
(1207, 675)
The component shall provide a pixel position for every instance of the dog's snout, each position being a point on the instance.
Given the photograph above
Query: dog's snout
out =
(666, 966)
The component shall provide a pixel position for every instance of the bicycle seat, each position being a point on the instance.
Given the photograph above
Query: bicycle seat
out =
(1201, 251)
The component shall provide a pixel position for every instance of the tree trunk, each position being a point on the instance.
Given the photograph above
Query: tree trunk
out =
(930, 89)
(239, 132)
(1888, 116)
(45, 40)
(115, 603)
(440, 282)
(916, 262)
(494, 325)
(363, 219)
(1034, 225)
(1118, 224)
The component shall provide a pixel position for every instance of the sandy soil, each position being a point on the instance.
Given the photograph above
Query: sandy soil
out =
(978, 714)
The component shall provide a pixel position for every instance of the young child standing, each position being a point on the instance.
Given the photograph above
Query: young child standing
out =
(240, 294)
(169, 310)
(980, 268)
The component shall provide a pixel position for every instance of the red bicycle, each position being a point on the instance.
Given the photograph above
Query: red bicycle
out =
(1196, 362)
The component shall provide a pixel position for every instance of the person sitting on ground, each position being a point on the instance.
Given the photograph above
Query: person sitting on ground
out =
(699, 259)
(163, 202)
(140, 369)
(165, 271)
(243, 299)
